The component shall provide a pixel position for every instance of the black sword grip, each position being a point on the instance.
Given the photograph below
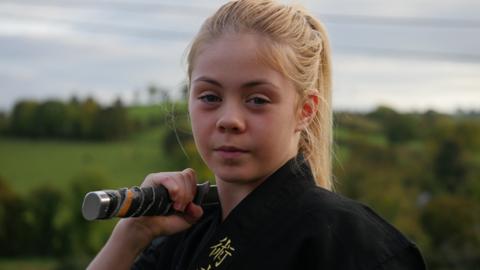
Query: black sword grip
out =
(134, 202)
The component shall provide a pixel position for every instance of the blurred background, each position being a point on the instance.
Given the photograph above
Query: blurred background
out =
(92, 97)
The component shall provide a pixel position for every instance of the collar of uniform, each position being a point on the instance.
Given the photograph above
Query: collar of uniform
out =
(279, 190)
(270, 203)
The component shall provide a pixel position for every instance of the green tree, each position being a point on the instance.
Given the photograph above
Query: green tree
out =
(3, 123)
(450, 166)
(398, 127)
(468, 134)
(89, 109)
(51, 119)
(73, 126)
(82, 239)
(23, 118)
(452, 223)
(43, 205)
(14, 230)
(152, 92)
(112, 122)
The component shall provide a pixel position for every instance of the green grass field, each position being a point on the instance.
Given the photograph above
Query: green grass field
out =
(28, 264)
(26, 164)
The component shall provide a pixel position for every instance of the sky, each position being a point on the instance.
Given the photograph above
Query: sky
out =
(410, 55)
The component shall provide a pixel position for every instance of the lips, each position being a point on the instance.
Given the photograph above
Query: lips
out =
(230, 152)
(230, 149)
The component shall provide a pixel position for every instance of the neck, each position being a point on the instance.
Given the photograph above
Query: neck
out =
(231, 194)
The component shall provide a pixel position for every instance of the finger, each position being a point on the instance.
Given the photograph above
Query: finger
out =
(190, 183)
(156, 179)
(193, 213)
(181, 200)
(193, 179)
(172, 186)
(170, 180)
(181, 186)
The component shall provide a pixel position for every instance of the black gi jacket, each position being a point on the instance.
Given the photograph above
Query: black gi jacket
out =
(286, 223)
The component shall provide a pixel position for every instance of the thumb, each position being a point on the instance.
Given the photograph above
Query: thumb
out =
(193, 213)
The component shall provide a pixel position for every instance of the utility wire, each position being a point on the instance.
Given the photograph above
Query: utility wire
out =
(174, 35)
(133, 7)
(198, 10)
(115, 29)
(411, 53)
(138, 31)
(401, 21)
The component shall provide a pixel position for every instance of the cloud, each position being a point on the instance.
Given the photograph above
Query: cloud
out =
(364, 82)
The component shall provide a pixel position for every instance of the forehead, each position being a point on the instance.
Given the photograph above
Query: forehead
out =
(236, 57)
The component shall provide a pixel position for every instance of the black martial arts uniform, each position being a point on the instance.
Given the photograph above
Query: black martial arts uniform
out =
(286, 223)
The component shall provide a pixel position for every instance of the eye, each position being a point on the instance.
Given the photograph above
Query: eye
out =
(210, 98)
(258, 100)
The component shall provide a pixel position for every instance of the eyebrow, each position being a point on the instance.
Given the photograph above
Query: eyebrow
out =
(249, 84)
(207, 80)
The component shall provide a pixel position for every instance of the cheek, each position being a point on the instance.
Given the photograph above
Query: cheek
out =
(282, 121)
(196, 123)
(201, 128)
(282, 133)
(275, 129)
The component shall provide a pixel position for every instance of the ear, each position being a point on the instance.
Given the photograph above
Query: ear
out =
(308, 109)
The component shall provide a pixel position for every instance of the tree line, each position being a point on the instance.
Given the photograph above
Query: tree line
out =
(76, 119)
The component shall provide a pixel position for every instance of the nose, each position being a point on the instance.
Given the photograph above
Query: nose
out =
(231, 120)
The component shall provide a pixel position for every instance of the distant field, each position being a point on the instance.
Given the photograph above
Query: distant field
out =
(25, 164)
(28, 264)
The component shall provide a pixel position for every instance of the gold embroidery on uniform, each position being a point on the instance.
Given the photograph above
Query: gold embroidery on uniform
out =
(221, 251)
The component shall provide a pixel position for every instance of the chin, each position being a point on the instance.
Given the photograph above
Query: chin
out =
(237, 175)
(230, 177)
(233, 175)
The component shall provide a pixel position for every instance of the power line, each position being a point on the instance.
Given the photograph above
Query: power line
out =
(417, 54)
(175, 35)
(401, 21)
(137, 31)
(133, 7)
(114, 28)
(189, 10)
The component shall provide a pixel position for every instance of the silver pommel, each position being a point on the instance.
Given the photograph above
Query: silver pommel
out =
(95, 205)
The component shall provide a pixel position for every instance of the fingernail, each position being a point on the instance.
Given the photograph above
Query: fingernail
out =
(178, 206)
(187, 171)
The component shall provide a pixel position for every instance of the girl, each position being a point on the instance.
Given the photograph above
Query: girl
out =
(261, 117)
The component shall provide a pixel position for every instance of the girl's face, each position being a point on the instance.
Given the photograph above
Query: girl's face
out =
(243, 113)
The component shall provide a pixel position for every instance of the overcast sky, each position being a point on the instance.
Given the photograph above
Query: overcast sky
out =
(410, 54)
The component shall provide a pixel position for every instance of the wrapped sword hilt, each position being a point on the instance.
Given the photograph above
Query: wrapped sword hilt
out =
(137, 201)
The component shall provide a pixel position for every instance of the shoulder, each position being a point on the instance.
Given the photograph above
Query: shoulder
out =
(351, 232)
(348, 215)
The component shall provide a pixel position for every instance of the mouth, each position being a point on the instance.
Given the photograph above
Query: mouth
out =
(230, 149)
(229, 152)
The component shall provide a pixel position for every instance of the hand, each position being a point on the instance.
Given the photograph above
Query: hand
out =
(131, 235)
(182, 187)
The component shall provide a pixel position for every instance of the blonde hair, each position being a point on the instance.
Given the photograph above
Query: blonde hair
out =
(298, 47)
